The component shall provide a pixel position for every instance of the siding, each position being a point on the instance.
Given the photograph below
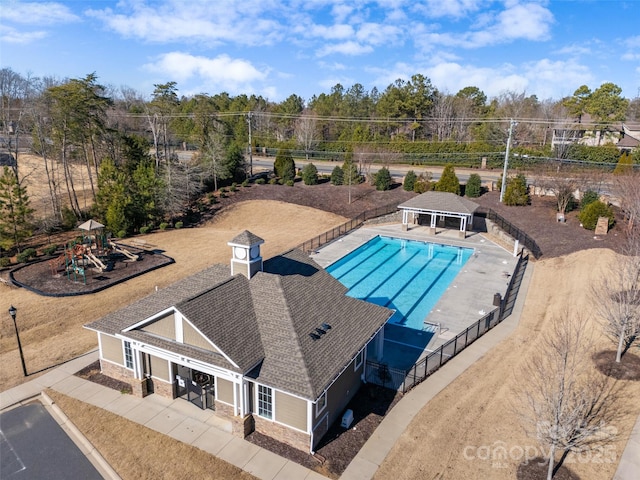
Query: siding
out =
(164, 327)
(339, 394)
(224, 390)
(160, 368)
(291, 410)
(195, 338)
(112, 349)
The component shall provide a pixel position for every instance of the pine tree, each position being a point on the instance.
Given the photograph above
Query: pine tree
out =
(15, 211)
(448, 181)
(409, 181)
(383, 179)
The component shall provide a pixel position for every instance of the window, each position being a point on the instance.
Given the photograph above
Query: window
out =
(321, 404)
(265, 402)
(359, 360)
(128, 355)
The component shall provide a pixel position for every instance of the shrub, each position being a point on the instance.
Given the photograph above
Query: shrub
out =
(310, 174)
(337, 176)
(5, 262)
(69, 218)
(245, 183)
(234, 187)
(473, 189)
(50, 250)
(179, 225)
(164, 225)
(289, 183)
(284, 166)
(448, 181)
(588, 197)
(422, 183)
(273, 181)
(144, 230)
(121, 234)
(383, 179)
(26, 255)
(516, 192)
(409, 181)
(261, 181)
(590, 214)
(624, 165)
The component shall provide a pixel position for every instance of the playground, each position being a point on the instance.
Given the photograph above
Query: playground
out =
(88, 264)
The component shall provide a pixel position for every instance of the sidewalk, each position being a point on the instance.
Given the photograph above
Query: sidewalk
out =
(175, 418)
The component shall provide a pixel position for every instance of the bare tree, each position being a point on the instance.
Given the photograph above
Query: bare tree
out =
(628, 193)
(306, 132)
(566, 403)
(617, 297)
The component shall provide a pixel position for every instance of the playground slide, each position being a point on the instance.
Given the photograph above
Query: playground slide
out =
(123, 251)
(95, 260)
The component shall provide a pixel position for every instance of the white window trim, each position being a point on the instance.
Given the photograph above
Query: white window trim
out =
(359, 360)
(273, 403)
(124, 354)
(324, 406)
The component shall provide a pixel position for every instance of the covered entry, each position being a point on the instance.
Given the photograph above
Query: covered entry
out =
(196, 387)
(439, 209)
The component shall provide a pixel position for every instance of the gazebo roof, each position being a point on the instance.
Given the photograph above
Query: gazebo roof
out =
(440, 202)
(90, 225)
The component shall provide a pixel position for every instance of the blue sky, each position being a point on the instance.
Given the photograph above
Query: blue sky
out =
(275, 48)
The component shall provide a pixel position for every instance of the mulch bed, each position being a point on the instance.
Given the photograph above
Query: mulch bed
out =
(38, 278)
(339, 446)
(536, 469)
(627, 369)
(538, 220)
(92, 373)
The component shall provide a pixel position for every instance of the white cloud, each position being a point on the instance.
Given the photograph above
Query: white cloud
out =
(345, 48)
(16, 37)
(175, 20)
(219, 73)
(37, 13)
(332, 32)
(449, 8)
(530, 21)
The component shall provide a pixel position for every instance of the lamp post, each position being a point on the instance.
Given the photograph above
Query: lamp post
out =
(13, 311)
(506, 161)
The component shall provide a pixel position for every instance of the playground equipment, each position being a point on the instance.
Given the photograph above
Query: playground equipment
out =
(81, 251)
(119, 249)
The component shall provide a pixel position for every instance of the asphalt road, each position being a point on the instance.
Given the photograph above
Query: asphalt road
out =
(33, 446)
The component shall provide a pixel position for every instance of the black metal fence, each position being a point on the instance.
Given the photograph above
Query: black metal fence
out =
(509, 228)
(330, 235)
(403, 381)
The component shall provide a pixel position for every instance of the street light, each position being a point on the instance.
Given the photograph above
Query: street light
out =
(13, 311)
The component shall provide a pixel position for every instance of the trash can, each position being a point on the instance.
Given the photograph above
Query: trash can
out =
(497, 300)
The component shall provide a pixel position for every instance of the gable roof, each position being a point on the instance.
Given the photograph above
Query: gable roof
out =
(441, 202)
(263, 324)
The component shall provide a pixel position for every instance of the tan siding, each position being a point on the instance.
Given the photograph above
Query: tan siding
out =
(291, 410)
(164, 327)
(339, 394)
(224, 390)
(112, 349)
(195, 338)
(159, 368)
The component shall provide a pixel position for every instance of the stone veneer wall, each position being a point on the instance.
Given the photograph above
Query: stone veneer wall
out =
(295, 438)
(138, 386)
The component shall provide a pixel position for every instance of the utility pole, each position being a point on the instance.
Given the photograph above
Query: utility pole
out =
(250, 149)
(506, 160)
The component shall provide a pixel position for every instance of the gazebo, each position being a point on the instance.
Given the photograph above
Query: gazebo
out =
(434, 208)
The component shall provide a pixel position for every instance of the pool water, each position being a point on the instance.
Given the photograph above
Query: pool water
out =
(405, 275)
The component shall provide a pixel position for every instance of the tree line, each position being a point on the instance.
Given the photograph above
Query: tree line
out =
(124, 148)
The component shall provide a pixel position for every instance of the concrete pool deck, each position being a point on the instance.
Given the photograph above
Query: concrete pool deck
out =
(469, 297)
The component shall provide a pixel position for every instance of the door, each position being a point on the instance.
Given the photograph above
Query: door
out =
(146, 370)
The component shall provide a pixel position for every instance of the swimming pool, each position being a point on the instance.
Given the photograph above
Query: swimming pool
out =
(406, 275)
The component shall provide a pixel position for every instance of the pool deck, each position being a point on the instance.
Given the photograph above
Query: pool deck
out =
(468, 298)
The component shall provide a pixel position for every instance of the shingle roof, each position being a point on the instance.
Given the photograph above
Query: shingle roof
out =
(441, 202)
(246, 238)
(264, 324)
